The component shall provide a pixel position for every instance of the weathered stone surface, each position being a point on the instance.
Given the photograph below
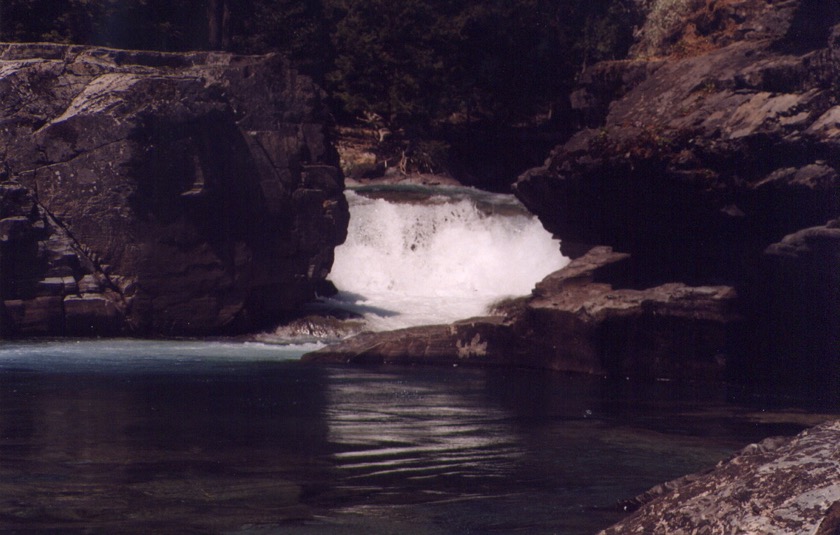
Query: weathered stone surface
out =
(572, 322)
(707, 147)
(687, 27)
(182, 193)
(40, 315)
(476, 341)
(92, 314)
(778, 486)
(700, 156)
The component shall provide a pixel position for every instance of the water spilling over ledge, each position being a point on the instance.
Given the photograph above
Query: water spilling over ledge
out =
(417, 255)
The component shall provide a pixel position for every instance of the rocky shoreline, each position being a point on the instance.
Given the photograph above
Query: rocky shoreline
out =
(701, 207)
(143, 192)
(719, 165)
(571, 322)
(780, 485)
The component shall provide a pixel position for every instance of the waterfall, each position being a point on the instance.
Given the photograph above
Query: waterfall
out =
(418, 256)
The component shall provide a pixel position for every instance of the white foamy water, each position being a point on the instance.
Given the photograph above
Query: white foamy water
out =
(441, 259)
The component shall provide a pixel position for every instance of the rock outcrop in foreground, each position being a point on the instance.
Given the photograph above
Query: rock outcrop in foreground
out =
(713, 160)
(779, 486)
(152, 194)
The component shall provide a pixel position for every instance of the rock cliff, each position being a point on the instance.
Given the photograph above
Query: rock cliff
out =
(156, 194)
(711, 157)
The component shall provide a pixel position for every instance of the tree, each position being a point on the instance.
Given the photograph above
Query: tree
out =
(218, 24)
(423, 60)
(297, 28)
(18, 24)
(390, 58)
(414, 63)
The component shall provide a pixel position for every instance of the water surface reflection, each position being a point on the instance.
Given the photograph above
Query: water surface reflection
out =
(246, 445)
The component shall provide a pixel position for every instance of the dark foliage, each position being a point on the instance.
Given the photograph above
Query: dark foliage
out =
(412, 63)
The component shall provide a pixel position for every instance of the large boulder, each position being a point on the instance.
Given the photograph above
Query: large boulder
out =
(776, 487)
(156, 193)
(700, 159)
(718, 139)
(581, 318)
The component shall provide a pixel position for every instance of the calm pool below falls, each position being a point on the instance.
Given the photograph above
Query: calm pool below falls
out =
(214, 437)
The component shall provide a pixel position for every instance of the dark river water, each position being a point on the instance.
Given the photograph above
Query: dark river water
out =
(134, 437)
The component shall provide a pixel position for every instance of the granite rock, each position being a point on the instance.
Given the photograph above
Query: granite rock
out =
(778, 486)
(189, 193)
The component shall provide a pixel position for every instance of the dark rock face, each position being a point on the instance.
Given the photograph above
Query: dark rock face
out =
(153, 193)
(795, 298)
(667, 331)
(720, 142)
(779, 486)
(573, 322)
(700, 158)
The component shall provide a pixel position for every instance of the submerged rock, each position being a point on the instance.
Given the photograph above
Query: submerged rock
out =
(778, 486)
(155, 193)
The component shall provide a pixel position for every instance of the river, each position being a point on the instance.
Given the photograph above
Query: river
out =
(201, 436)
(231, 436)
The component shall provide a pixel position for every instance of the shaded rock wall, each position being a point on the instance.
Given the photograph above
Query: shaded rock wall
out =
(706, 158)
(154, 193)
(794, 298)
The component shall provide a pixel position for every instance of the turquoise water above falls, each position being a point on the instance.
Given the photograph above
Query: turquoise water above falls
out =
(131, 436)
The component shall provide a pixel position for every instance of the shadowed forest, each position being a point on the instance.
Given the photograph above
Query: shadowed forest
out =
(416, 67)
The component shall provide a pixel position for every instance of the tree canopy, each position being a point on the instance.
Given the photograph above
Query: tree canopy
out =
(410, 63)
